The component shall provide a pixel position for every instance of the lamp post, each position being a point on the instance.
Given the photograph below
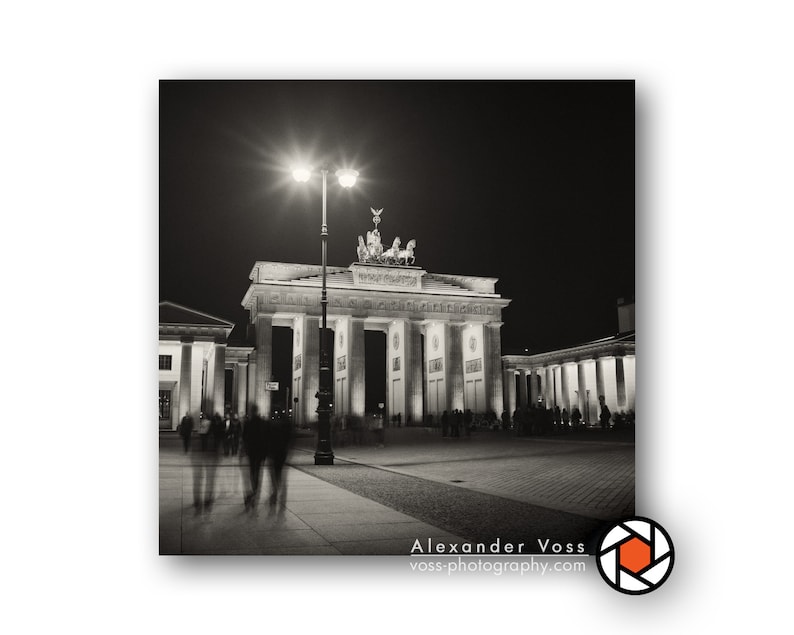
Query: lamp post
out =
(324, 454)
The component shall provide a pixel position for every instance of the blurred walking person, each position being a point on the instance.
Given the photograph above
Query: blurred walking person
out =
(205, 464)
(204, 433)
(235, 429)
(186, 430)
(279, 440)
(217, 430)
(255, 443)
(227, 433)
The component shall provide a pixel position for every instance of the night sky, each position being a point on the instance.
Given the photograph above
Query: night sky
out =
(528, 182)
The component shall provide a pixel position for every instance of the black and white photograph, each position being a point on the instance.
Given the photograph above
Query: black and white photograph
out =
(395, 317)
(469, 318)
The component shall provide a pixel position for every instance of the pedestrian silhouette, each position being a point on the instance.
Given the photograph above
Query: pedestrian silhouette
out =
(278, 446)
(204, 433)
(255, 443)
(205, 464)
(217, 431)
(576, 418)
(234, 434)
(605, 415)
(457, 422)
(186, 431)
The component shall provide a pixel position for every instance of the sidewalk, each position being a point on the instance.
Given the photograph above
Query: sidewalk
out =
(317, 519)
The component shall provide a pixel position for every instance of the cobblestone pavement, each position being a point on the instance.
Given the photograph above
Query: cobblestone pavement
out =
(590, 474)
(377, 500)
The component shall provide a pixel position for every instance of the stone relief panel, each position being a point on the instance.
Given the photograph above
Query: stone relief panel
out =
(344, 301)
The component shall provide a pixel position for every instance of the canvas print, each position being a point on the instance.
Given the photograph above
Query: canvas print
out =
(395, 317)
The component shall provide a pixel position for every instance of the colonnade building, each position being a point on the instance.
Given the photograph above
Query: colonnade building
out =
(577, 376)
(195, 361)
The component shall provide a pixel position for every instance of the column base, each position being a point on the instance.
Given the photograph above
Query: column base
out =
(323, 458)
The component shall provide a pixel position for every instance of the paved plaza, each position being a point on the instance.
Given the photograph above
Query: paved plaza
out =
(379, 500)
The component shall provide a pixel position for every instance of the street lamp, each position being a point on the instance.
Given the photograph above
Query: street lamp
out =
(324, 454)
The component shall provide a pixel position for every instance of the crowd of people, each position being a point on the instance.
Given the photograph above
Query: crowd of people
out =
(530, 420)
(535, 419)
(539, 420)
(258, 442)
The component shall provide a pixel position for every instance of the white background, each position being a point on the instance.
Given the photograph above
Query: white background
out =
(78, 144)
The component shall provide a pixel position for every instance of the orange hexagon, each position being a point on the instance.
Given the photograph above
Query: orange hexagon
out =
(635, 555)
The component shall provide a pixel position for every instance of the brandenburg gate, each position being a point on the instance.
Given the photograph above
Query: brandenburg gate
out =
(442, 333)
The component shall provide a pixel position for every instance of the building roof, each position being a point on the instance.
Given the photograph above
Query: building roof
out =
(620, 344)
(172, 313)
(303, 275)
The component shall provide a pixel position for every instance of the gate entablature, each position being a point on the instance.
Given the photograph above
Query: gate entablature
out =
(284, 290)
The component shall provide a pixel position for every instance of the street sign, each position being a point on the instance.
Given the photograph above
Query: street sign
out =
(271, 385)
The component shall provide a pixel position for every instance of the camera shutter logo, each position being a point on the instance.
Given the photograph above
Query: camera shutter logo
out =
(635, 556)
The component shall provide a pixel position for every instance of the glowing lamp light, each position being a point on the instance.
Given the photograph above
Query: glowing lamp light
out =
(302, 174)
(347, 178)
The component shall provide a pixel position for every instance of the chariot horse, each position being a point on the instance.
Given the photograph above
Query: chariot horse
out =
(391, 255)
(407, 254)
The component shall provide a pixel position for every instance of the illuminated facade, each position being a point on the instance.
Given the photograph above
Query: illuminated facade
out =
(442, 336)
(577, 376)
(193, 359)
